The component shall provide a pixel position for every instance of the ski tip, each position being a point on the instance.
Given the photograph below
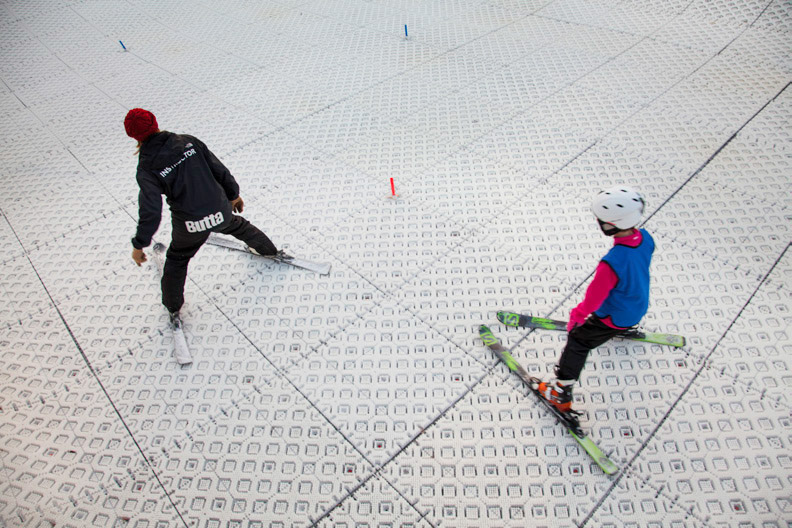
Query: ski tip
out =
(181, 350)
(488, 337)
(158, 247)
(509, 318)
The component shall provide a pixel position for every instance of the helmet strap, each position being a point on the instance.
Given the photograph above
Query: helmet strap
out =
(608, 229)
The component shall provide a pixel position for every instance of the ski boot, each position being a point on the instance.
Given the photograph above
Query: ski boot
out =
(559, 394)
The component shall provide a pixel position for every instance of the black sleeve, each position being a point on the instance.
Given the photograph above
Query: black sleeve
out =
(149, 209)
(220, 172)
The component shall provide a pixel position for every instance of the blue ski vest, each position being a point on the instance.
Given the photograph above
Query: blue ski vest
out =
(628, 301)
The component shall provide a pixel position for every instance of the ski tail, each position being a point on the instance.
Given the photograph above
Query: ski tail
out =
(180, 348)
(529, 321)
(676, 341)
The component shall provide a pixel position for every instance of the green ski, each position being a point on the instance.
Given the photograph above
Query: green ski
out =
(567, 419)
(528, 321)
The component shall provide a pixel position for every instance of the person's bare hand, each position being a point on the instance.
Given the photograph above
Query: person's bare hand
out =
(237, 205)
(138, 256)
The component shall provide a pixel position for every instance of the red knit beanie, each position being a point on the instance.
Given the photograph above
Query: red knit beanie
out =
(140, 124)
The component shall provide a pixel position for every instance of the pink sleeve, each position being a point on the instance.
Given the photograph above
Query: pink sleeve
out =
(605, 280)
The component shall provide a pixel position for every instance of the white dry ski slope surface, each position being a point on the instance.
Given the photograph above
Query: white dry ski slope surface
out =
(365, 398)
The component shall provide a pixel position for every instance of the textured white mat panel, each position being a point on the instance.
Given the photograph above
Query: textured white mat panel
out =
(365, 398)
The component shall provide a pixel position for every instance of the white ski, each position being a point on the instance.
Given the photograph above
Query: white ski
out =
(180, 349)
(322, 268)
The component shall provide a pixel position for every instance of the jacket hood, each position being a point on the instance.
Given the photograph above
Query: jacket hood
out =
(162, 149)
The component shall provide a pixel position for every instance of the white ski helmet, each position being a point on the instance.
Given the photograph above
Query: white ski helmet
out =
(619, 206)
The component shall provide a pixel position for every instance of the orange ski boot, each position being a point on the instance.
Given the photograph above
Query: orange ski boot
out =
(558, 393)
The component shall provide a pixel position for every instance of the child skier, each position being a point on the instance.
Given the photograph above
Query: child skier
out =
(202, 195)
(618, 296)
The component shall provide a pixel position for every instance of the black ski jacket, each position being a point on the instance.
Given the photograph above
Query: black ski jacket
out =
(194, 182)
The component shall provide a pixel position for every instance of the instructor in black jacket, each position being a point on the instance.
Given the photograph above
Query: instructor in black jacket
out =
(201, 193)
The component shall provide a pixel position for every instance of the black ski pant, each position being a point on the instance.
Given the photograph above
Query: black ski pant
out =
(580, 342)
(184, 245)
